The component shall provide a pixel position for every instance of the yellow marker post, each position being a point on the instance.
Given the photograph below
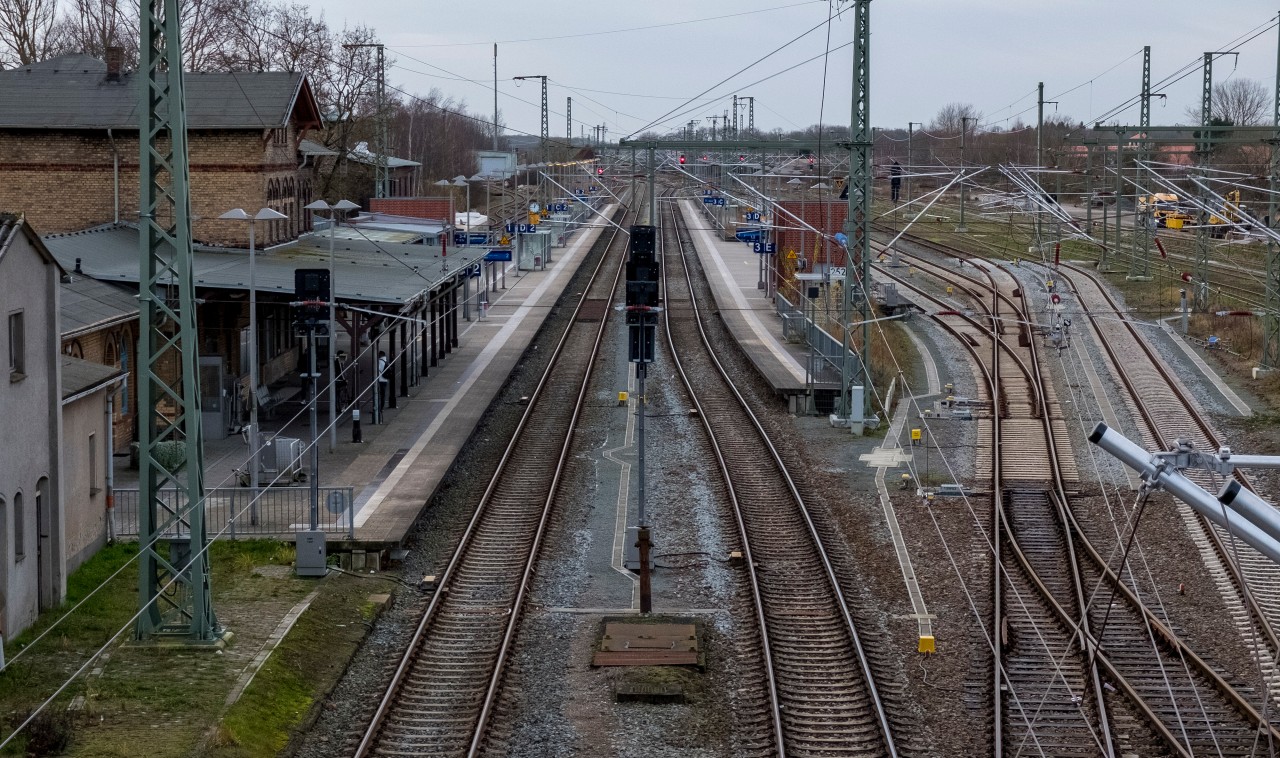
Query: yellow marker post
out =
(622, 397)
(915, 436)
(927, 644)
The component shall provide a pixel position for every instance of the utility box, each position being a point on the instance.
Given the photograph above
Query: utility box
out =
(312, 556)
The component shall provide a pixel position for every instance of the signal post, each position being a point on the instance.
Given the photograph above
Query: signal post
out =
(642, 328)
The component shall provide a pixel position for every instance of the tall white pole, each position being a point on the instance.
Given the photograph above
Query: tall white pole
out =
(253, 375)
(333, 341)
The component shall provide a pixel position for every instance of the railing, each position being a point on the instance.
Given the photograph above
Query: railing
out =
(234, 513)
(825, 365)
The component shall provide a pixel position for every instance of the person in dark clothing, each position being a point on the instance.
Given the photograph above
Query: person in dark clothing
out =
(895, 181)
(844, 192)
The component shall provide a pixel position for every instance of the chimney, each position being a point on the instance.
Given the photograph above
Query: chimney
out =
(78, 269)
(115, 59)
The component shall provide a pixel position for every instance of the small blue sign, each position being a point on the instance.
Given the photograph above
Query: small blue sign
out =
(717, 201)
(503, 254)
(706, 191)
(474, 270)
(511, 228)
(708, 201)
(559, 207)
(764, 248)
(753, 216)
(527, 228)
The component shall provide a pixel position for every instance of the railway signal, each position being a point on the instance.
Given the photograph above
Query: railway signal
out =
(642, 328)
(682, 159)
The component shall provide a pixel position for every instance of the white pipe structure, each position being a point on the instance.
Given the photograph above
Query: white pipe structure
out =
(1258, 524)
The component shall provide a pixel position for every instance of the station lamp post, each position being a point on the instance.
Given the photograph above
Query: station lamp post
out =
(336, 211)
(266, 214)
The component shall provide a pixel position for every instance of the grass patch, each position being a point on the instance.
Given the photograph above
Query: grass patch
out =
(299, 674)
(133, 696)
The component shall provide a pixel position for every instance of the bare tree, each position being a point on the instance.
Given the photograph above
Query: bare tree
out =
(1237, 102)
(26, 31)
(951, 118)
(92, 26)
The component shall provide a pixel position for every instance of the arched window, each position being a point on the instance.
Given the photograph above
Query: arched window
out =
(19, 528)
(109, 351)
(73, 349)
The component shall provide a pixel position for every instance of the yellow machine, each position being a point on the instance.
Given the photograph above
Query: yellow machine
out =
(1230, 210)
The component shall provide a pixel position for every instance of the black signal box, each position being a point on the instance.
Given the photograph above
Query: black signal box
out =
(643, 239)
(311, 289)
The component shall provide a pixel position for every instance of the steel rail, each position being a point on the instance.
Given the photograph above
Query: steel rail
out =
(776, 457)
(1160, 629)
(460, 553)
(723, 465)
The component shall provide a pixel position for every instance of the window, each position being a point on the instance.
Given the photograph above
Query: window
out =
(19, 529)
(17, 349)
(93, 465)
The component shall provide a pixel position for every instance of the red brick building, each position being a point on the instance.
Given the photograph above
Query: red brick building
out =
(69, 147)
(813, 252)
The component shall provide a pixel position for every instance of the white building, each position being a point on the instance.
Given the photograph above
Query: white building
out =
(32, 555)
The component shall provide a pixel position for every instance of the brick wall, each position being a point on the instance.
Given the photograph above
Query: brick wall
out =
(64, 180)
(438, 208)
(94, 347)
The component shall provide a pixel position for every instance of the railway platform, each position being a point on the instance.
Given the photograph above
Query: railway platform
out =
(399, 465)
(733, 271)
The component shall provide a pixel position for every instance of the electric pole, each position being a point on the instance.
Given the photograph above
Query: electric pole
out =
(381, 146)
(545, 134)
(174, 591)
(1271, 308)
(964, 130)
(1140, 268)
(568, 119)
(857, 270)
(735, 118)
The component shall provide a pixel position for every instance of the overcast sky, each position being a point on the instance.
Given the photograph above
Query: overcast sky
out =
(925, 53)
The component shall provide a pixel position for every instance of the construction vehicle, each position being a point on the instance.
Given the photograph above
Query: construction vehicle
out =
(1231, 212)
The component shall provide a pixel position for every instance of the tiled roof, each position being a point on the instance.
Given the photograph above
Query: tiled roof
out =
(71, 92)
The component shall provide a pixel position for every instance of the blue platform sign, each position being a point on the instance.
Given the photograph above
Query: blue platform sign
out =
(521, 228)
(558, 207)
(764, 248)
(708, 201)
(753, 216)
(706, 191)
(717, 201)
(474, 270)
(503, 254)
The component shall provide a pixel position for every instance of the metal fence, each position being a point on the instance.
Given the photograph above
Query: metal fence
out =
(825, 355)
(234, 512)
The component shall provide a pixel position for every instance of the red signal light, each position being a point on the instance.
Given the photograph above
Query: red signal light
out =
(682, 160)
(600, 170)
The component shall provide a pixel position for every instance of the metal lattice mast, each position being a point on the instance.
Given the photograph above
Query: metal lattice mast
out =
(1271, 309)
(1203, 147)
(568, 119)
(381, 140)
(545, 134)
(1140, 265)
(751, 114)
(171, 464)
(735, 117)
(857, 270)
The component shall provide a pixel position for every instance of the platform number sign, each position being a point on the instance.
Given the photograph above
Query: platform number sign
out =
(474, 270)
(706, 192)
(753, 216)
(522, 228)
(764, 248)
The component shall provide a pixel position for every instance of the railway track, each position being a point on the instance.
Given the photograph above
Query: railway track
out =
(823, 695)
(441, 694)
(1150, 385)
(1189, 706)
